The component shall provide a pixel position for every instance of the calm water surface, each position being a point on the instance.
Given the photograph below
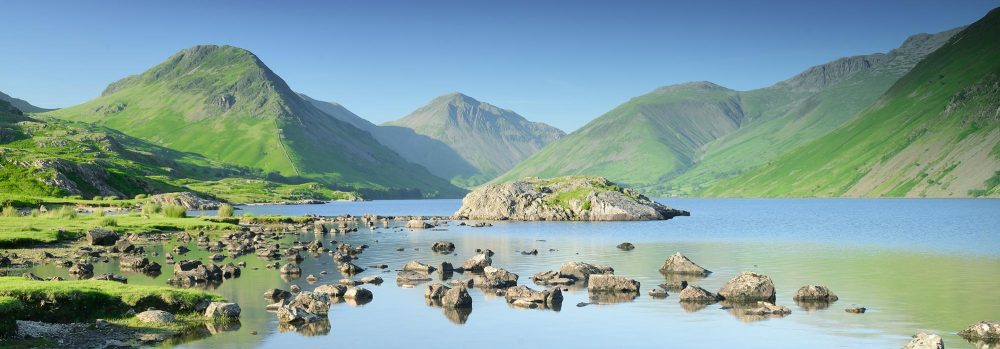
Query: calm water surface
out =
(918, 265)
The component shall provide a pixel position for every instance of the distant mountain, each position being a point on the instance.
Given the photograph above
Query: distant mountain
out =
(490, 139)
(935, 132)
(224, 103)
(21, 104)
(440, 159)
(679, 140)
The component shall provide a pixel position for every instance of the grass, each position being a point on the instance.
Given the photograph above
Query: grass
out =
(28, 230)
(252, 191)
(86, 300)
(225, 211)
(174, 211)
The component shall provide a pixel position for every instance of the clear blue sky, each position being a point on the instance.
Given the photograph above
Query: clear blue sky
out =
(561, 62)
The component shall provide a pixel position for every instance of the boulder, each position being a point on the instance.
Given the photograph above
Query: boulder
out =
(457, 297)
(313, 302)
(534, 199)
(155, 316)
(434, 292)
(856, 310)
(223, 310)
(477, 263)
(748, 287)
(581, 271)
(331, 290)
(277, 294)
(296, 315)
(658, 292)
(374, 280)
(677, 263)
(541, 299)
(443, 247)
(82, 268)
(494, 277)
(189, 200)
(767, 308)
(674, 285)
(611, 283)
(358, 294)
(626, 246)
(418, 224)
(814, 293)
(100, 236)
(986, 331)
(123, 246)
(925, 341)
(290, 269)
(350, 268)
(418, 267)
(697, 294)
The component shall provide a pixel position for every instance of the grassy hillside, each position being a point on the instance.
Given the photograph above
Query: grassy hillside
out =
(223, 103)
(646, 140)
(677, 143)
(491, 140)
(933, 133)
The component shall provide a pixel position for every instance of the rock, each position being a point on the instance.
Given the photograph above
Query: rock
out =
(856, 310)
(658, 292)
(222, 310)
(155, 316)
(581, 271)
(181, 250)
(986, 331)
(674, 285)
(477, 263)
(925, 341)
(611, 283)
(123, 246)
(533, 199)
(350, 268)
(358, 294)
(290, 269)
(434, 292)
(313, 302)
(457, 297)
(697, 294)
(277, 294)
(544, 277)
(5, 262)
(533, 252)
(189, 200)
(296, 315)
(767, 308)
(295, 289)
(331, 290)
(494, 277)
(374, 280)
(418, 224)
(82, 268)
(410, 277)
(748, 287)
(418, 267)
(443, 247)
(677, 263)
(186, 265)
(462, 282)
(541, 299)
(814, 293)
(447, 267)
(626, 246)
(100, 236)
(112, 277)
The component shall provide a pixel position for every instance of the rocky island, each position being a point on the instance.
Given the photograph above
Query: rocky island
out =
(572, 198)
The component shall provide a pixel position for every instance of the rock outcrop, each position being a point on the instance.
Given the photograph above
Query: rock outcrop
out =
(189, 200)
(572, 198)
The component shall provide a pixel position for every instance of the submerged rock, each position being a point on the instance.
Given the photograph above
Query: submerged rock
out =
(626, 246)
(523, 296)
(677, 263)
(696, 294)
(561, 199)
(923, 340)
(443, 247)
(814, 293)
(748, 287)
(767, 308)
(581, 271)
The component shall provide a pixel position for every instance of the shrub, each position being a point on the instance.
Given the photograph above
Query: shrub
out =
(174, 211)
(109, 222)
(9, 211)
(97, 198)
(65, 212)
(225, 210)
(36, 212)
(141, 196)
(151, 208)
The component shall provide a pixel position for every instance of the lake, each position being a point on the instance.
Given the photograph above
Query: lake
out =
(916, 264)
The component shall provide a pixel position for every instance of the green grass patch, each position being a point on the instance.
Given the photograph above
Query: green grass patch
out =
(28, 230)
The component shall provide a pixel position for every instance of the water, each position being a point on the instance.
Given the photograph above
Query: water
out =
(918, 265)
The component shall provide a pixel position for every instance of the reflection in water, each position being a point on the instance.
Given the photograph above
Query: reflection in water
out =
(691, 307)
(318, 328)
(458, 315)
(612, 297)
(742, 311)
(813, 305)
(226, 326)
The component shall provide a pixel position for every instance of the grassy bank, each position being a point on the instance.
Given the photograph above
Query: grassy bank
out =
(87, 300)
(252, 191)
(49, 228)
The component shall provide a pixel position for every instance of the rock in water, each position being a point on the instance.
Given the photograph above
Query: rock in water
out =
(677, 263)
(457, 297)
(814, 293)
(222, 310)
(100, 236)
(581, 271)
(987, 331)
(925, 341)
(697, 294)
(611, 283)
(477, 262)
(573, 198)
(748, 287)
(418, 224)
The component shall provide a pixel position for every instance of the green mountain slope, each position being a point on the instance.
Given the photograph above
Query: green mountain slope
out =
(935, 132)
(719, 133)
(21, 104)
(224, 103)
(490, 139)
(439, 158)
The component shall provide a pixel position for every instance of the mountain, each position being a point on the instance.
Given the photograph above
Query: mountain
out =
(490, 139)
(21, 104)
(935, 132)
(224, 103)
(679, 140)
(440, 159)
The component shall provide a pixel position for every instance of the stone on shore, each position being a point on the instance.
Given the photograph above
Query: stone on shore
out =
(677, 263)
(748, 287)
(155, 316)
(572, 198)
